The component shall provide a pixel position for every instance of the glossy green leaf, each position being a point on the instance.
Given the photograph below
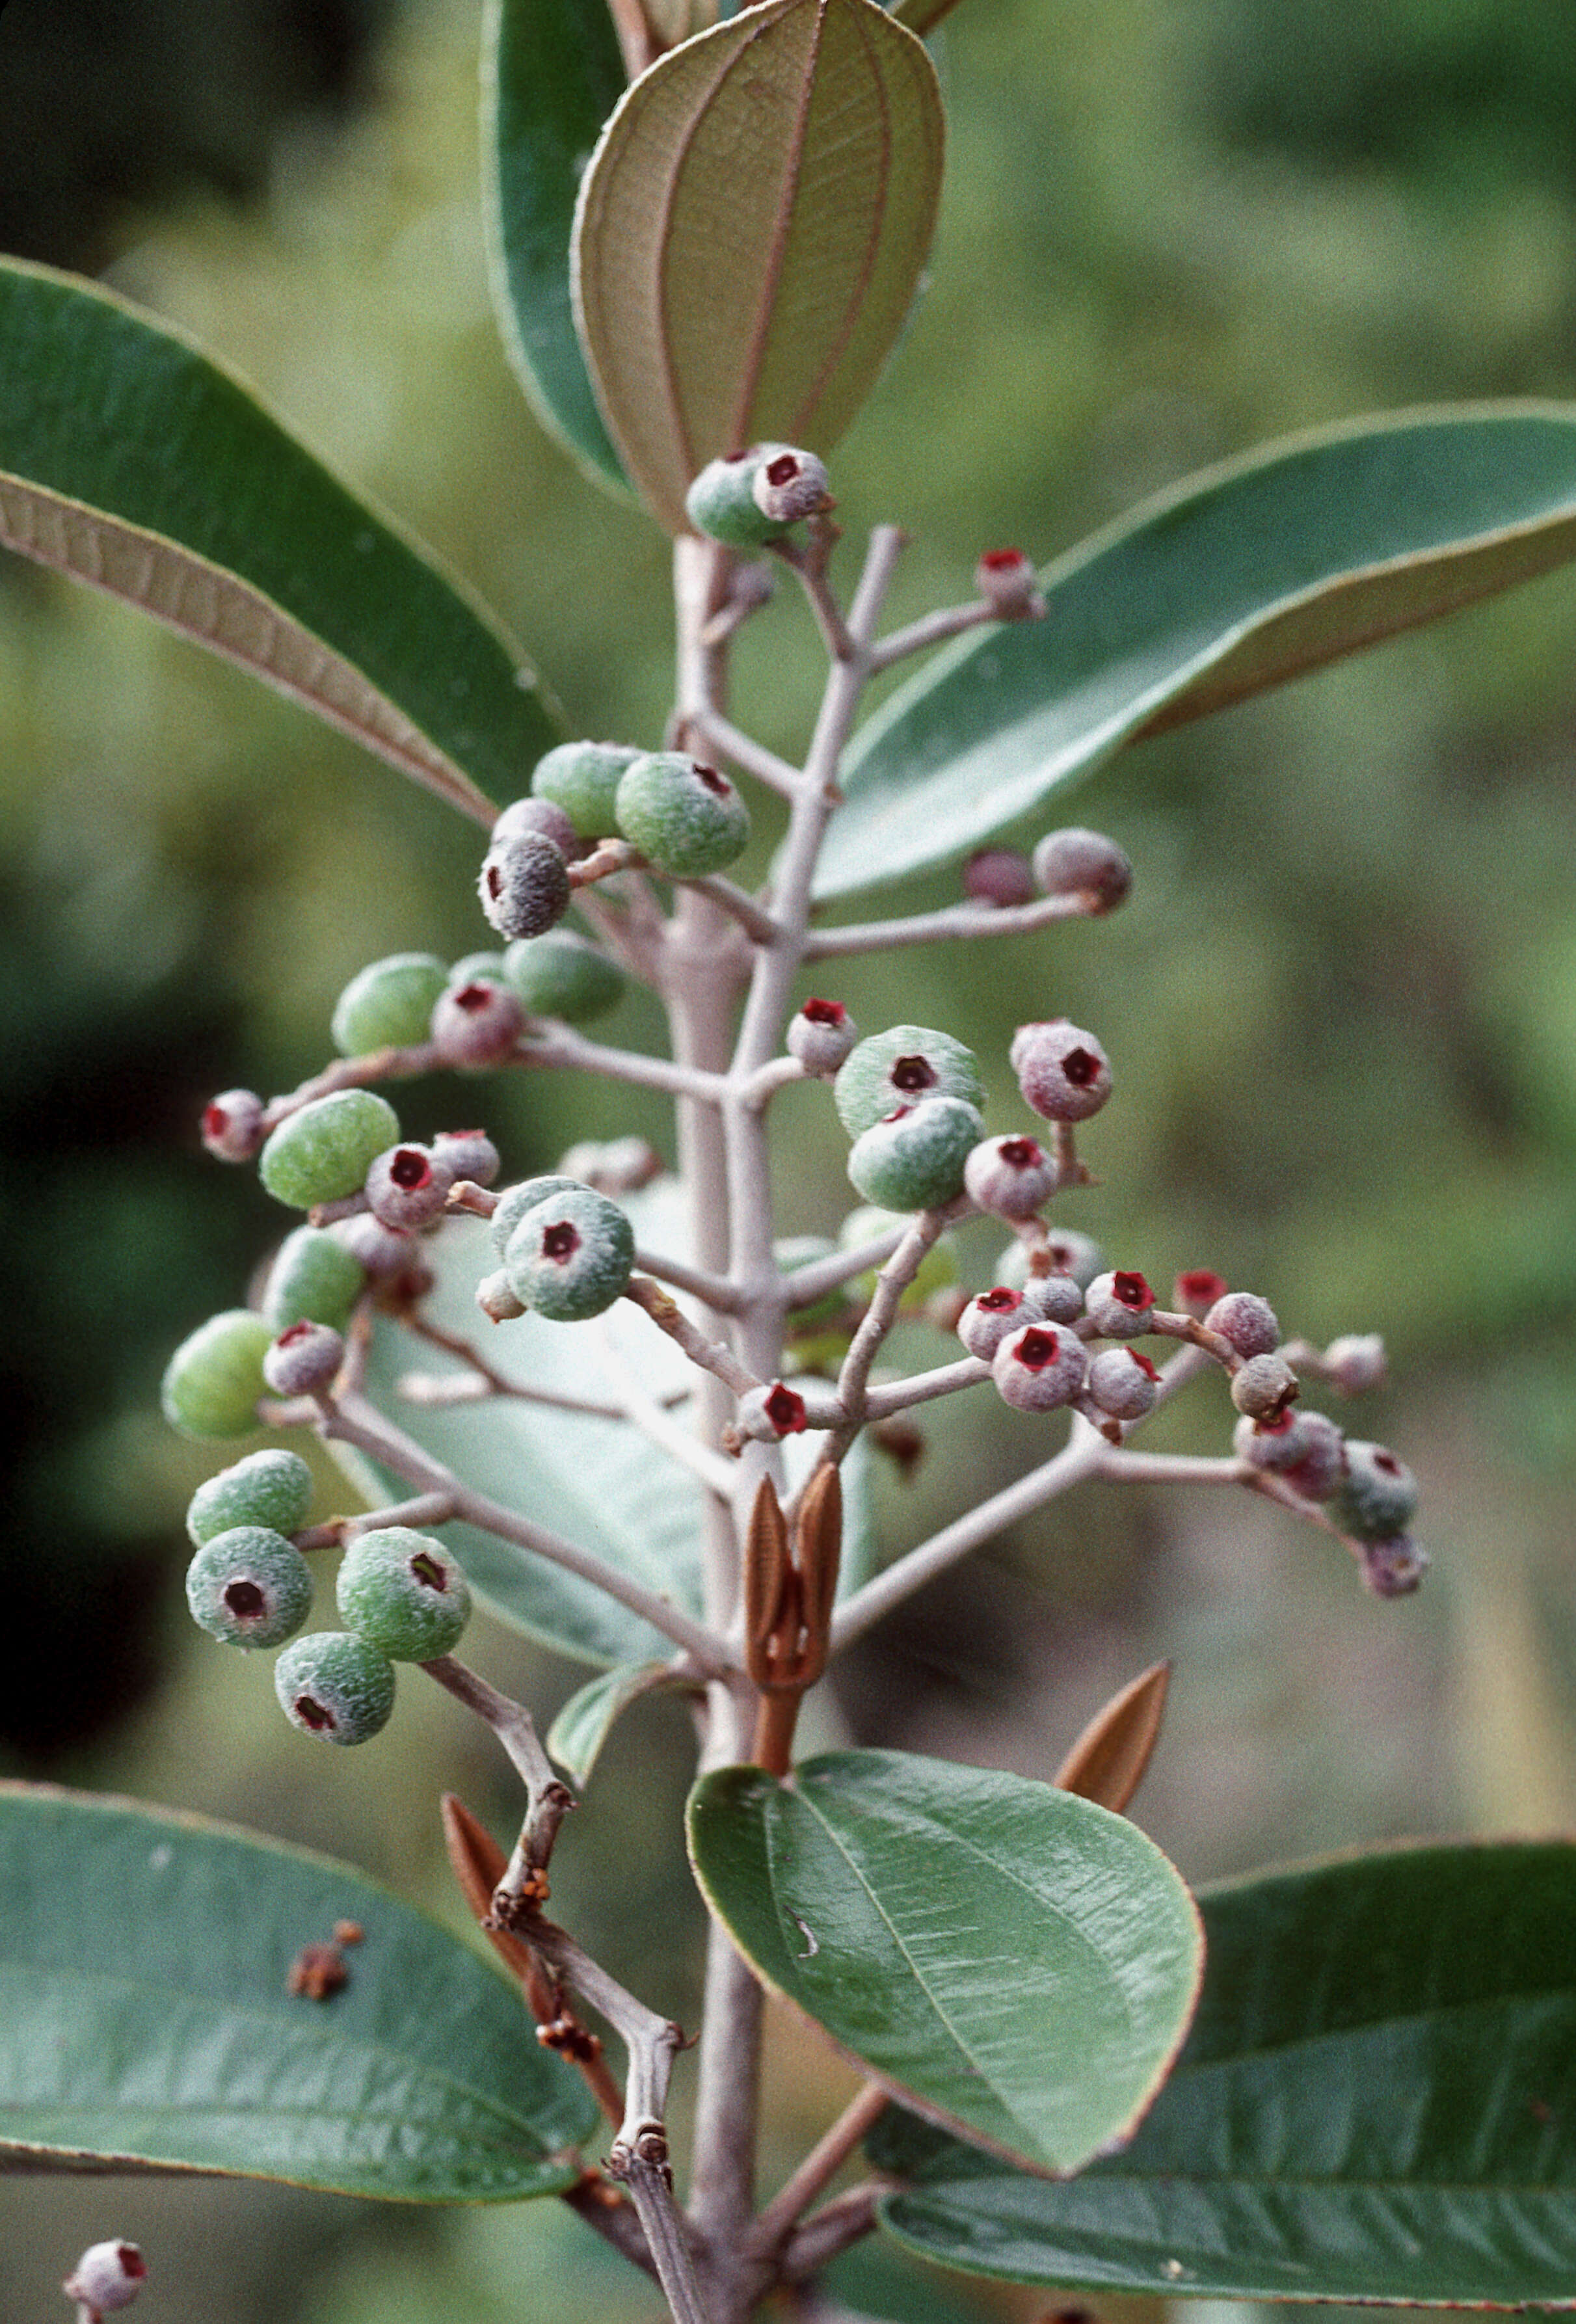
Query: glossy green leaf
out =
(583, 1726)
(131, 460)
(1018, 1962)
(145, 2019)
(750, 233)
(1235, 581)
(551, 74)
(1378, 2102)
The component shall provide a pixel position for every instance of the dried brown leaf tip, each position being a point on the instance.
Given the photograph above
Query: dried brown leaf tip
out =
(318, 1973)
(1106, 1763)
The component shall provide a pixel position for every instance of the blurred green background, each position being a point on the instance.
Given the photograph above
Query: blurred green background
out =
(1342, 1004)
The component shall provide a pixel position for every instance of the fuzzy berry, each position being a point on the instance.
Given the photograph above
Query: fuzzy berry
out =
(1377, 1496)
(1355, 1362)
(989, 1318)
(213, 1381)
(1038, 1368)
(771, 1413)
(232, 1125)
(1196, 1290)
(333, 1684)
(913, 1159)
(1247, 1321)
(737, 500)
(108, 2277)
(303, 1359)
(249, 1587)
(382, 1253)
(998, 876)
(468, 1154)
(524, 884)
(321, 1152)
(496, 1299)
(1005, 579)
(515, 1201)
(1305, 1448)
(686, 819)
(477, 1023)
(314, 1280)
(1066, 1252)
(787, 484)
(1119, 1305)
(1393, 1567)
(1010, 1177)
(265, 1489)
(1264, 1387)
(1077, 863)
(1064, 1072)
(388, 1005)
(1122, 1383)
(899, 1067)
(542, 815)
(559, 974)
(404, 1593)
(571, 1256)
(1052, 1299)
(407, 1186)
(821, 1036)
(613, 1165)
(583, 779)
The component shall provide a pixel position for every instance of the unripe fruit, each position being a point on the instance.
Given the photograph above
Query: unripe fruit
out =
(821, 1036)
(232, 1125)
(613, 1165)
(108, 2277)
(333, 1683)
(314, 1280)
(751, 498)
(1196, 1290)
(496, 1299)
(213, 1381)
(1123, 1383)
(899, 1067)
(544, 815)
(265, 1489)
(583, 779)
(469, 1154)
(1394, 1567)
(1355, 1362)
(407, 1186)
(1077, 863)
(477, 1023)
(1119, 1305)
(1052, 1299)
(524, 884)
(1305, 1448)
(989, 1318)
(559, 974)
(249, 1587)
(771, 1413)
(321, 1152)
(1005, 579)
(571, 1257)
(473, 965)
(303, 1359)
(1064, 1072)
(1247, 1321)
(515, 1201)
(686, 819)
(998, 876)
(388, 1005)
(1264, 1387)
(788, 484)
(1010, 1177)
(404, 1593)
(1068, 1251)
(1377, 1496)
(1037, 1368)
(914, 1160)
(380, 1252)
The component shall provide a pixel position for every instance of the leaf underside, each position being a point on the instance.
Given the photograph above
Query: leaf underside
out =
(144, 2019)
(750, 233)
(1236, 581)
(1019, 1962)
(131, 461)
(1377, 2103)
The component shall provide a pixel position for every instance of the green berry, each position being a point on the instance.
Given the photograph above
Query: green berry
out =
(404, 1593)
(314, 1280)
(571, 1257)
(213, 1381)
(583, 779)
(388, 1005)
(1377, 1496)
(515, 1201)
(265, 1489)
(687, 819)
(322, 1152)
(333, 1684)
(722, 504)
(914, 1160)
(899, 1067)
(486, 965)
(249, 1587)
(559, 974)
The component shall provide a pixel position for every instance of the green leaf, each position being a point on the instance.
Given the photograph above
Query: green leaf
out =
(1235, 581)
(1018, 1962)
(131, 460)
(583, 1726)
(145, 2020)
(1378, 2102)
(551, 74)
(750, 233)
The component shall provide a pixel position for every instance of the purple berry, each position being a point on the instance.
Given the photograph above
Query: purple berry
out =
(1064, 1072)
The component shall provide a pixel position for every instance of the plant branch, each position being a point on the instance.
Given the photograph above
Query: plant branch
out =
(453, 1343)
(680, 1443)
(753, 918)
(712, 1356)
(561, 1047)
(822, 2163)
(718, 1294)
(831, 2230)
(742, 750)
(933, 928)
(931, 629)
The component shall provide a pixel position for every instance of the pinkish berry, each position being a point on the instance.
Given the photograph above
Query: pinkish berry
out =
(1304, 1447)
(821, 1036)
(989, 1318)
(543, 815)
(469, 1154)
(1355, 1362)
(1005, 579)
(1052, 1299)
(407, 1186)
(788, 484)
(1077, 863)
(613, 1165)
(1123, 1383)
(232, 1125)
(772, 1412)
(524, 884)
(1247, 1321)
(1037, 1368)
(1064, 1072)
(1393, 1568)
(108, 2277)
(998, 876)
(1119, 1305)
(477, 1023)
(379, 1250)
(1010, 1177)
(1264, 1387)
(496, 1298)
(1196, 1290)
(303, 1359)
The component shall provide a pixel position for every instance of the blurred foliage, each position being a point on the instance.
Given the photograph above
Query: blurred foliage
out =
(1342, 1004)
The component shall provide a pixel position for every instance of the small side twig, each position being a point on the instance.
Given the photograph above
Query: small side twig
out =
(822, 2163)
(711, 1355)
(954, 920)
